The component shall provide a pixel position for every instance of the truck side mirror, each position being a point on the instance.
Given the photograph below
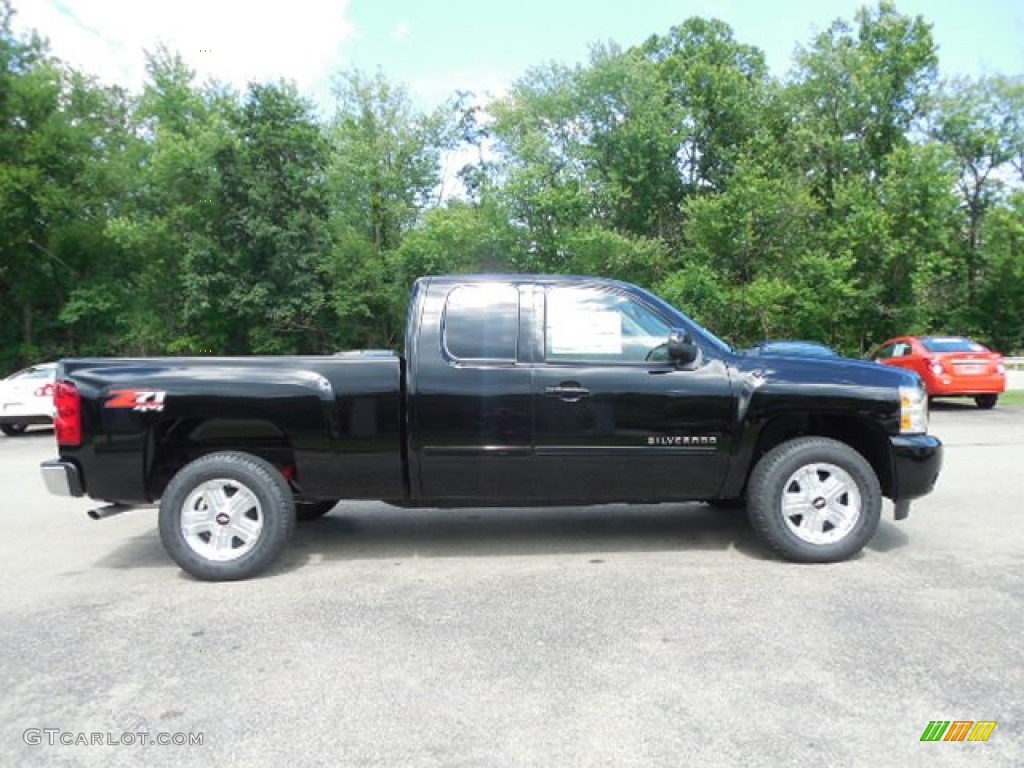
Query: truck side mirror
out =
(681, 348)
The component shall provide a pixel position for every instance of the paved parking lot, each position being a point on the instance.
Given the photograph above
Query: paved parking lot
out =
(638, 636)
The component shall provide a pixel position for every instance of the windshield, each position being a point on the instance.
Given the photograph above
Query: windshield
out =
(952, 344)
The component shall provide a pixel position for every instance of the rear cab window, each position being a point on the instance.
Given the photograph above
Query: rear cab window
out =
(481, 323)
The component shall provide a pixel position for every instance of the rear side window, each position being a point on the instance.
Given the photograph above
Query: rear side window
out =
(481, 322)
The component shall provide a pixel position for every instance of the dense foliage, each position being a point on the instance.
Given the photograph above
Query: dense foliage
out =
(858, 197)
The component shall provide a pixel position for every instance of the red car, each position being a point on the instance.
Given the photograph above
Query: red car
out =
(951, 366)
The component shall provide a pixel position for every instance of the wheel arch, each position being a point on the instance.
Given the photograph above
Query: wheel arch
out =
(863, 435)
(176, 443)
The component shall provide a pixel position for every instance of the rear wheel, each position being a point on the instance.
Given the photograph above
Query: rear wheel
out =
(986, 402)
(226, 516)
(11, 430)
(814, 500)
(311, 510)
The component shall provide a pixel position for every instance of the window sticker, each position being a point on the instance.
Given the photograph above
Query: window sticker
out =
(586, 332)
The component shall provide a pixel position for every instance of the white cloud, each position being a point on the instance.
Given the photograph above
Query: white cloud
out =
(231, 40)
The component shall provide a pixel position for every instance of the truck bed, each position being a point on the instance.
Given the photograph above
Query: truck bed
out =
(333, 423)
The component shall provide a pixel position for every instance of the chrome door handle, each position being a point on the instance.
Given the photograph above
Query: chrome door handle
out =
(568, 392)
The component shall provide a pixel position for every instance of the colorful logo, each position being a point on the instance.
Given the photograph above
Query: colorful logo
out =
(958, 730)
(136, 399)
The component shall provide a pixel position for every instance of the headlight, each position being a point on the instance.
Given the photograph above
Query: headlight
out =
(913, 410)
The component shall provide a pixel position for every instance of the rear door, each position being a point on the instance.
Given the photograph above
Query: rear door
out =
(614, 419)
(471, 398)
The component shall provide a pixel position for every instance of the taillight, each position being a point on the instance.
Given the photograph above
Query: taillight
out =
(936, 367)
(68, 421)
(1001, 368)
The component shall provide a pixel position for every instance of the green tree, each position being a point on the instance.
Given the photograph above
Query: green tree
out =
(172, 212)
(855, 199)
(262, 287)
(715, 86)
(979, 122)
(60, 137)
(857, 93)
(384, 173)
(998, 315)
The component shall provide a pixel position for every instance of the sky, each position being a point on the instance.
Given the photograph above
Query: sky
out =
(435, 47)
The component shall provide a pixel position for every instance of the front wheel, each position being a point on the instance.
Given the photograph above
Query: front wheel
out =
(11, 430)
(814, 500)
(986, 402)
(226, 516)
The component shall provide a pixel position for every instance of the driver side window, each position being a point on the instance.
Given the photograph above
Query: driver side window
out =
(594, 325)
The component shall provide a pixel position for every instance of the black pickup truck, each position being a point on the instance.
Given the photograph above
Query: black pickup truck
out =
(513, 390)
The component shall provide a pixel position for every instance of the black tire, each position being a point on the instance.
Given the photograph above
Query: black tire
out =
(311, 510)
(272, 507)
(774, 477)
(13, 430)
(986, 402)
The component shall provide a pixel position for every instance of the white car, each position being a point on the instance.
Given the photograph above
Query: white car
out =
(26, 397)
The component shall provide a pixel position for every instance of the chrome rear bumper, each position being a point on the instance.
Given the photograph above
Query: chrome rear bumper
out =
(62, 478)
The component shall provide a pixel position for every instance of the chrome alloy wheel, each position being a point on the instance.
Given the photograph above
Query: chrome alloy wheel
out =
(221, 520)
(821, 503)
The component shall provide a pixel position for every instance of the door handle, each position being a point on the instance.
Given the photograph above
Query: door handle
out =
(570, 392)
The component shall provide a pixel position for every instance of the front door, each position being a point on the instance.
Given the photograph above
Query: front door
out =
(615, 420)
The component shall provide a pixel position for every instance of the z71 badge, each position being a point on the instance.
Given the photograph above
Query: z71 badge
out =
(687, 440)
(137, 399)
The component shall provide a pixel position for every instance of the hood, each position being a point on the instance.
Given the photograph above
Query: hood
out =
(840, 371)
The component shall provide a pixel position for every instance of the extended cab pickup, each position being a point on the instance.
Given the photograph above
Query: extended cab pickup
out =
(513, 390)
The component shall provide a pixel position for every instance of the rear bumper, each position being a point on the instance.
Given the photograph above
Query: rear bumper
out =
(966, 385)
(917, 461)
(62, 478)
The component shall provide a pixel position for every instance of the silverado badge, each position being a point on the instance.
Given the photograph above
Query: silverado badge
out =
(685, 440)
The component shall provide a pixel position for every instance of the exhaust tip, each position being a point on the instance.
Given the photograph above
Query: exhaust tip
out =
(100, 513)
